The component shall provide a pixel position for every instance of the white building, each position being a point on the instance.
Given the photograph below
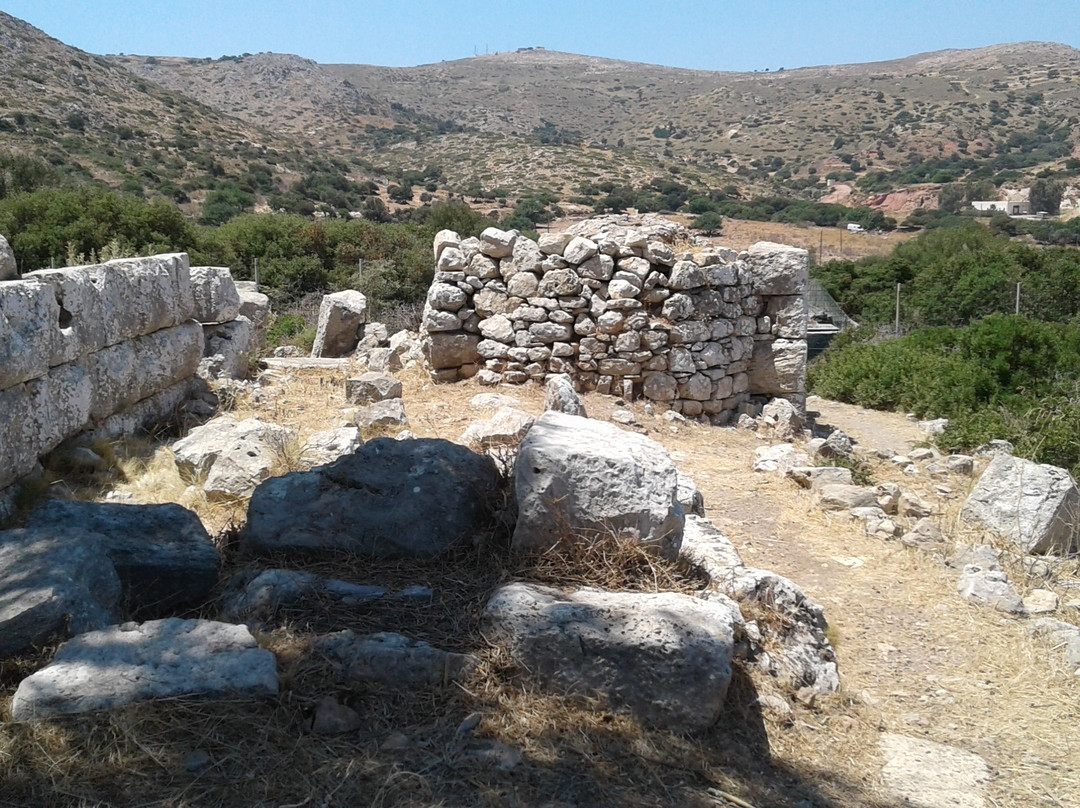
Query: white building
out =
(1014, 206)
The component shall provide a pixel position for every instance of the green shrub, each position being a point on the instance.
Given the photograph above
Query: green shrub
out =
(1002, 377)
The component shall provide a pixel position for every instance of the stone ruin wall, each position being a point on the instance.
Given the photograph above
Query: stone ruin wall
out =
(107, 349)
(613, 304)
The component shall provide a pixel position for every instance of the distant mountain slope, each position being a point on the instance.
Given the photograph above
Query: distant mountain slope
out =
(535, 119)
(746, 126)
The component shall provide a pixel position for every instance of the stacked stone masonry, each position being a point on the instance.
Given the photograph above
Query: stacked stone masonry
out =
(107, 348)
(615, 306)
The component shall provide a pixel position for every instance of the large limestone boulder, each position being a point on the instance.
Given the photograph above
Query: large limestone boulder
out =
(576, 478)
(1034, 505)
(341, 319)
(665, 658)
(50, 586)
(9, 268)
(162, 554)
(925, 774)
(368, 502)
(28, 316)
(451, 350)
(216, 297)
(161, 659)
(228, 458)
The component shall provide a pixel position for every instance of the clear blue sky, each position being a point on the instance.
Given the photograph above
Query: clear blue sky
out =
(720, 35)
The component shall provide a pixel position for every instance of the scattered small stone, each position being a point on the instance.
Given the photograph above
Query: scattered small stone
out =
(989, 587)
(333, 718)
(1041, 601)
(197, 760)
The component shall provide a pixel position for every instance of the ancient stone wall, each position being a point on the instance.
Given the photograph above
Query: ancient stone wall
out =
(631, 307)
(109, 348)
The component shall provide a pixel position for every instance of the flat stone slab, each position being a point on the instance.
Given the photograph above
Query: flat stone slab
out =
(665, 658)
(392, 659)
(307, 363)
(134, 662)
(932, 775)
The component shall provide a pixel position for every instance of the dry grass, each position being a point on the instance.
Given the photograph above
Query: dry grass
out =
(915, 659)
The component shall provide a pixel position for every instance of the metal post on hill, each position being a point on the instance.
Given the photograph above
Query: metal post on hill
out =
(1018, 300)
(896, 327)
(256, 274)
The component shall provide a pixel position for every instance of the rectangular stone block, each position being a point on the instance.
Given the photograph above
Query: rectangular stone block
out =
(778, 367)
(29, 327)
(80, 323)
(776, 269)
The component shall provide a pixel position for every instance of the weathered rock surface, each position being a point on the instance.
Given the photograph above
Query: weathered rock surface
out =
(228, 458)
(990, 588)
(159, 659)
(216, 297)
(1036, 506)
(162, 554)
(9, 268)
(925, 774)
(51, 586)
(692, 500)
(367, 502)
(779, 458)
(579, 479)
(259, 594)
(665, 658)
(228, 353)
(341, 318)
(838, 497)
(392, 659)
(389, 413)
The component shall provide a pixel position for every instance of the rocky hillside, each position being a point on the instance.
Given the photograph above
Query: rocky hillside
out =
(279, 125)
(754, 128)
(90, 117)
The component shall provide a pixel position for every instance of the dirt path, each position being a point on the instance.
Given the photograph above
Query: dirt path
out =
(915, 659)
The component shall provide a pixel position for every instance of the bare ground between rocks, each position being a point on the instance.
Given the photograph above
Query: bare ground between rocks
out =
(915, 660)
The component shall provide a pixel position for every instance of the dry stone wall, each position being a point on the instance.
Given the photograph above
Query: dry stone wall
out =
(612, 303)
(109, 348)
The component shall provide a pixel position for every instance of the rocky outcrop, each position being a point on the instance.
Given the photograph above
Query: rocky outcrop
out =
(665, 658)
(368, 502)
(579, 479)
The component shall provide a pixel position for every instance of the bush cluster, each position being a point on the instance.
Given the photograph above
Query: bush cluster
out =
(1001, 377)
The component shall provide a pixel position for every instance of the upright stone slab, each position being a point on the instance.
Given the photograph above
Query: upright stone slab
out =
(161, 659)
(581, 479)
(1034, 505)
(341, 318)
(9, 269)
(29, 325)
